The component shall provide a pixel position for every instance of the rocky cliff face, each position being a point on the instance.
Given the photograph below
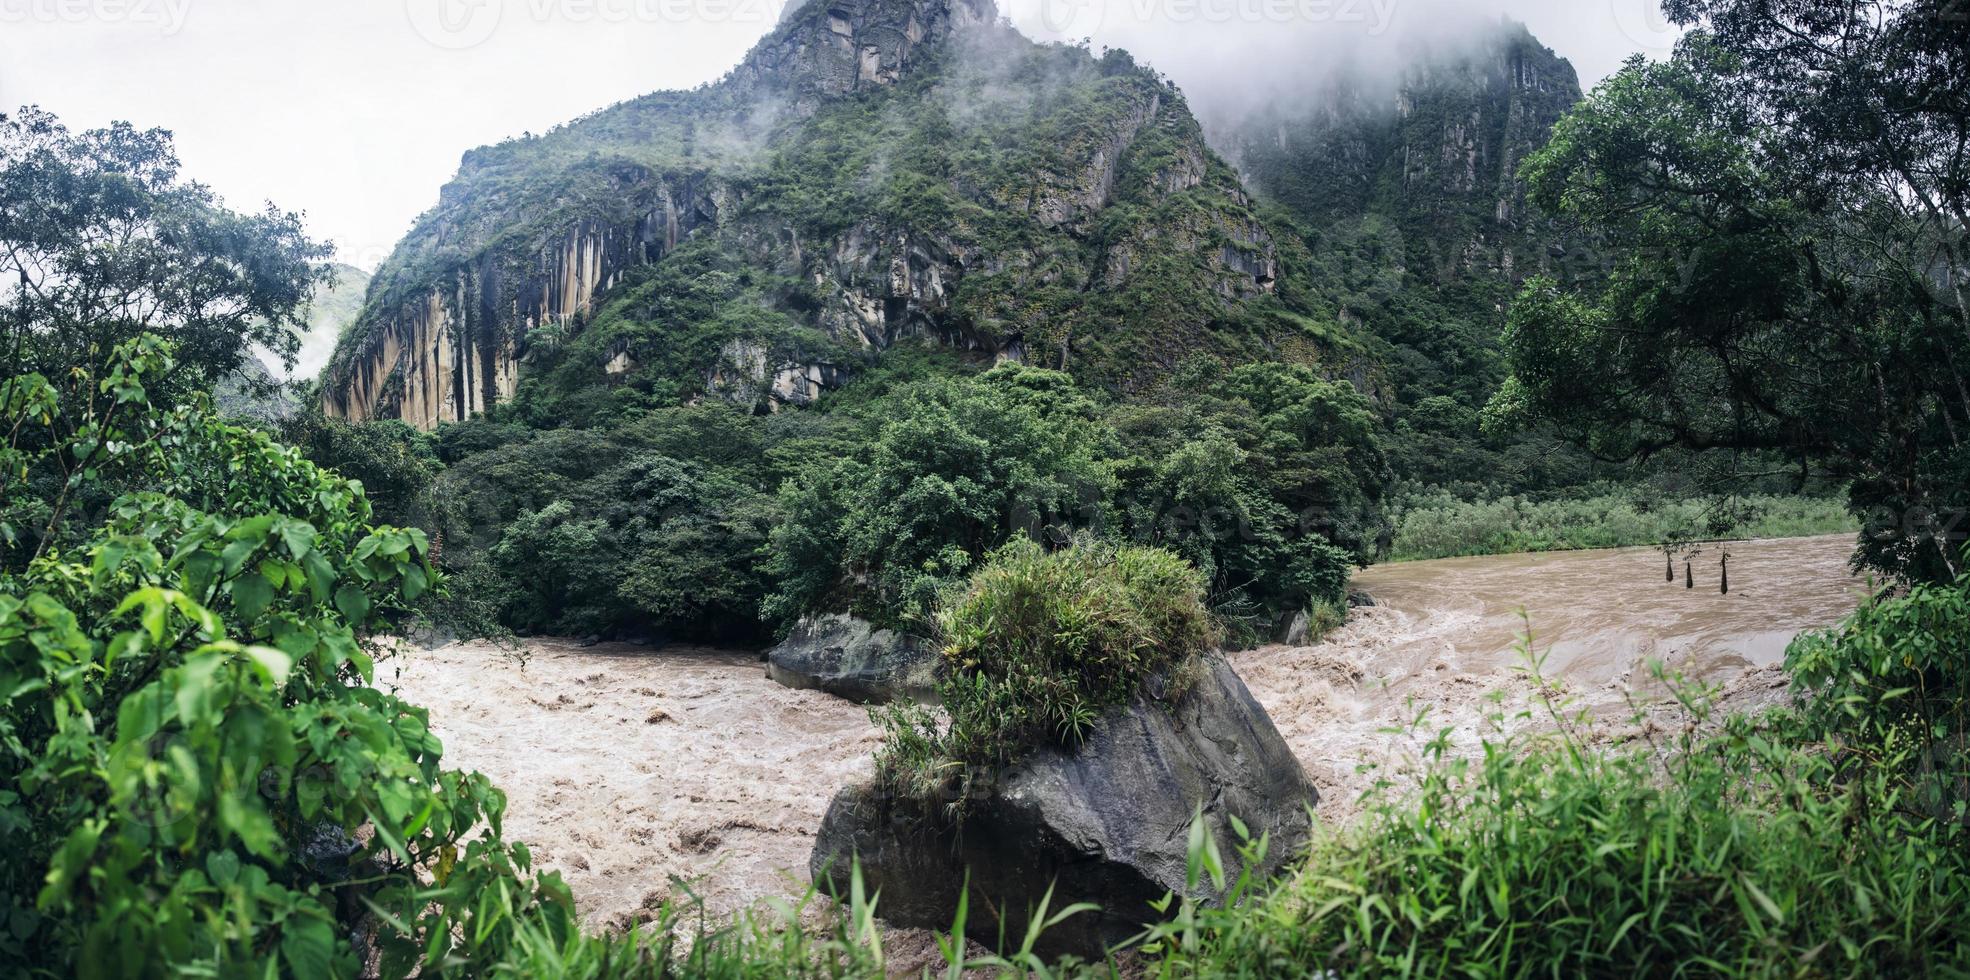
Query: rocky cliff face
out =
(1436, 150)
(445, 345)
(874, 170)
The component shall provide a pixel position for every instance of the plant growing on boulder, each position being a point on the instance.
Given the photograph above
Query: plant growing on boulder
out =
(1040, 644)
(1089, 724)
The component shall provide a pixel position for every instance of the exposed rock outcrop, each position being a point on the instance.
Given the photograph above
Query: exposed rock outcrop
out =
(1107, 823)
(1294, 630)
(850, 658)
(443, 348)
(827, 48)
(1075, 199)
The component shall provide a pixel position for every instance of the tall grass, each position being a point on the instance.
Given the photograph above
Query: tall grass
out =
(1441, 526)
(1752, 851)
(1041, 643)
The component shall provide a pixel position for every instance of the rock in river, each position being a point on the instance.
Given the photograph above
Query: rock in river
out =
(1107, 822)
(850, 658)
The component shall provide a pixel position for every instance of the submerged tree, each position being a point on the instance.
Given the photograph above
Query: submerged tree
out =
(1789, 195)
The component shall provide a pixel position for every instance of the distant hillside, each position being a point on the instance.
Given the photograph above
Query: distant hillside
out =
(333, 310)
(260, 389)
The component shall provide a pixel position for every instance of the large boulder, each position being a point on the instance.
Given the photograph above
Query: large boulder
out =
(1106, 823)
(850, 658)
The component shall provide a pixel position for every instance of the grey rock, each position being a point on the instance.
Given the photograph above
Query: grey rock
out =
(1360, 600)
(1293, 630)
(1106, 823)
(850, 658)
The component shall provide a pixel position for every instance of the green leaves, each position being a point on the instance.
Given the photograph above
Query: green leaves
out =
(251, 595)
(956, 469)
(1759, 300)
(154, 607)
(186, 711)
(307, 947)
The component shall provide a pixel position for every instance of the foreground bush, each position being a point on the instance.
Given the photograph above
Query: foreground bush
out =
(195, 774)
(1040, 644)
(1894, 682)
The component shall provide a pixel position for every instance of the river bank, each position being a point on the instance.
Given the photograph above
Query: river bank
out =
(1442, 526)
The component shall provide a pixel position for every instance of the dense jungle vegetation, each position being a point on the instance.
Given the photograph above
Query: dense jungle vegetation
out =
(200, 777)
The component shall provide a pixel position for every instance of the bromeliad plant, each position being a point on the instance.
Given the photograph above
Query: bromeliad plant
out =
(195, 773)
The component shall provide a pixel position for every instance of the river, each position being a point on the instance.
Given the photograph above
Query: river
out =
(632, 771)
(1446, 635)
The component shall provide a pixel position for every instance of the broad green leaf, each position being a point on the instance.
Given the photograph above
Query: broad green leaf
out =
(273, 663)
(307, 945)
(251, 594)
(414, 582)
(353, 604)
(223, 866)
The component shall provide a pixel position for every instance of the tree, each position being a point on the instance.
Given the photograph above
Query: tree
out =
(1787, 195)
(396, 464)
(1272, 485)
(651, 526)
(102, 242)
(960, 468)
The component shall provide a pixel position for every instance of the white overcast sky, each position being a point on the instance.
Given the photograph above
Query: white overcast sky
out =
(356, 111)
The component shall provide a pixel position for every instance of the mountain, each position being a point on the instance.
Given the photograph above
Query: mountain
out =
(258, 390)
(1404, 186)
(1435, 149)
(332, 309)
(872, 171)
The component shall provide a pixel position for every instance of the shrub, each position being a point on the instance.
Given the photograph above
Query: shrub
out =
(1040, 645)
(196, 776)
(1897, 676)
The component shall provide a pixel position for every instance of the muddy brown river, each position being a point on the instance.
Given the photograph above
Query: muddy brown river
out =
(638, 774)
